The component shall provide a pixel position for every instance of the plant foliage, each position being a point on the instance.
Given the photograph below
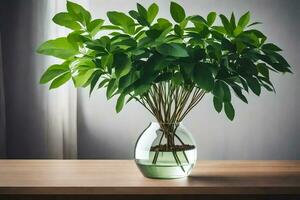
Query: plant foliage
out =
(163, 65)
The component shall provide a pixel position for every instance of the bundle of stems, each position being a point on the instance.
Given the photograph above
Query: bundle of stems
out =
(169, 104)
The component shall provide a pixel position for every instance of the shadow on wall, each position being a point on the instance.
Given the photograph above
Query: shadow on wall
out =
(96, 143)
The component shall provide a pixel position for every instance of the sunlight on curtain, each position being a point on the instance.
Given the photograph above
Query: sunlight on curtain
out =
(60, 104)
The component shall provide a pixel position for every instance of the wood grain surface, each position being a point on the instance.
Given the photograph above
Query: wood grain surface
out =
(120, 177)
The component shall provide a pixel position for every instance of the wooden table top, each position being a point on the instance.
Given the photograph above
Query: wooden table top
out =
(123, 177)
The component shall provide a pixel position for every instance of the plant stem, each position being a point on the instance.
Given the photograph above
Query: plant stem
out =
(170, 104)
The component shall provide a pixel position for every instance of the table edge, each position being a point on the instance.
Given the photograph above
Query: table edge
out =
(148, 190)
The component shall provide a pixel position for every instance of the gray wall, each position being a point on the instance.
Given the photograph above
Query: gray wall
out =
(267, 128)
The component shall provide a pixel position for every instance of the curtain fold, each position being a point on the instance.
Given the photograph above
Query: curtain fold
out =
(60, 104)
(39, 123)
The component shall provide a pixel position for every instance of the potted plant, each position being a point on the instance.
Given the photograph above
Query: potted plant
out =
(166, 67)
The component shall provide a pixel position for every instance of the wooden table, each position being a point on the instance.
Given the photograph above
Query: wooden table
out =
(120, 179)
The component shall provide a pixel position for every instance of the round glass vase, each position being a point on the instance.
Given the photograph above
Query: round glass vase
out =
(165, 151)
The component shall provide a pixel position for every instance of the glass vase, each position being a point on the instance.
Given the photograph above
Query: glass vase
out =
(165, 151)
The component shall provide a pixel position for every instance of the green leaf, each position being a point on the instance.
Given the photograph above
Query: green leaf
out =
(263, 69)
(153, 33)
(120, 103)
(268, 87)
(103, 82)
(178, 30)
(127, 80)
(177, 12)
(232, 21)
(122, 20)
(163, 24)
(227, 45)
(240, 45)
(95, 26)
(229, 110)
(258, 34)
(142, 21)
(66, 20)
(218, 90)
(130, 42)
(187, 70)
(163, 77)
(107, 62)
(142, 12)
(122, 64)
(237, 31)
(247, 67)
(76, 39)
(94, 81)
(219, 29)
(150, 68)
(111, 28)
(199, 22)
(222, 91)
(178, 78)
(84, 62)
(111, 88)
(211, 17)
(239, 93)
(79, 13)
(215, 51)
(281, 60)
(59, 47)
(227, 94)
(105, 41)
(152, 12)
(138, 36)
(266, 82)
(244, 83)
(141, 89)
(203, 77)
(244, 20)
(217, 104)
(271, 47)
(226, 24)
(60, 80)
(173, 49)
(197, 53)
(254, 85)
(184, 23)
(53, 71)
(97, 47)
(254, 23)
(134, 14)
(82, 77)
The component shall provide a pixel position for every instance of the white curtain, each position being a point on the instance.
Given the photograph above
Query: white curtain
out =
(60, 104)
